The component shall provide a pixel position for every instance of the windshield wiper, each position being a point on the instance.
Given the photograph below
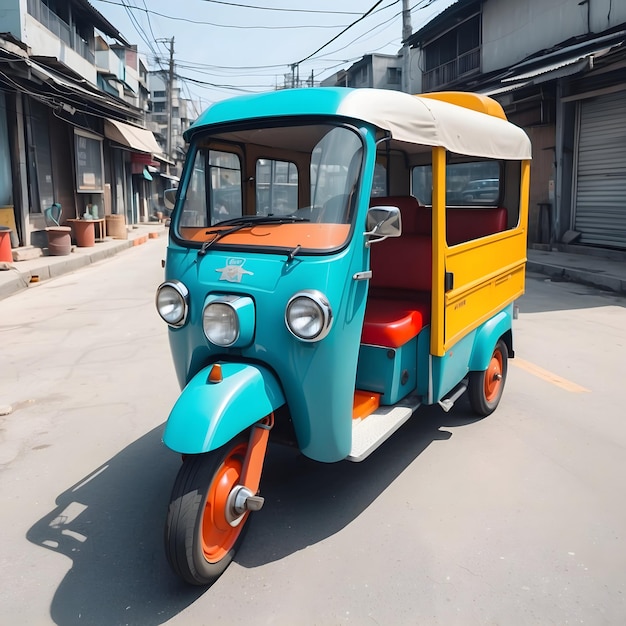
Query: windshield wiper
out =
(238, 223)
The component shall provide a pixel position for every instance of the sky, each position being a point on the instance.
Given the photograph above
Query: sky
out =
(228, 48)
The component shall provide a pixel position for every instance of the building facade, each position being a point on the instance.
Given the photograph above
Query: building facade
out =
(169, 119)
(72, 111)
(381, 71)
(558, 67)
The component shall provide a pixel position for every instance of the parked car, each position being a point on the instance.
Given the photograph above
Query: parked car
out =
(485, 190)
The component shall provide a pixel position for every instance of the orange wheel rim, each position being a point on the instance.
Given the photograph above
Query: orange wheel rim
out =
(493, 377)
(218, 536)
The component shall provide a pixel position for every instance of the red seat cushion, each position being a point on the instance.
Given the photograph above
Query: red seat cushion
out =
(391, 323)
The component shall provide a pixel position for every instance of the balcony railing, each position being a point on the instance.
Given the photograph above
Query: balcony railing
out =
(446, 73)
(61, 29)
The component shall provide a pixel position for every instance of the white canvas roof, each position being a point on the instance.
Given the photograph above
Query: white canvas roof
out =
(435, 123)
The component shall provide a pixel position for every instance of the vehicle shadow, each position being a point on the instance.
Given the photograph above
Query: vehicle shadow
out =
(110, 524)
(306, 501)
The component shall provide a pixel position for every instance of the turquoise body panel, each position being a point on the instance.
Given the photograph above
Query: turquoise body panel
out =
(472, 353)
(391, 372)
(246, 395)
(317, 378)
(486, 337)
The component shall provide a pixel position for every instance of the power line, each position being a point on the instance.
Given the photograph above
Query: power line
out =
(249, 6)
(216, 25)
(341, 33)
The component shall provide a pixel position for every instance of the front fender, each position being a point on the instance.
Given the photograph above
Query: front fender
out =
(207, 414)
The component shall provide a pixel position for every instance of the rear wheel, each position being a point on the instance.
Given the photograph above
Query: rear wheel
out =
(202, 532)
(486, 387)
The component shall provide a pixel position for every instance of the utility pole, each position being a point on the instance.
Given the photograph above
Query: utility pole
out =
(407, 31)
(170, 98)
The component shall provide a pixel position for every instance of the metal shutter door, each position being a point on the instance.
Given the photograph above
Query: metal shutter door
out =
(600, 193)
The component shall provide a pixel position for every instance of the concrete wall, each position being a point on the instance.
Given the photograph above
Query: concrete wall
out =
(514, 29)
(379, 72)
(43, 43)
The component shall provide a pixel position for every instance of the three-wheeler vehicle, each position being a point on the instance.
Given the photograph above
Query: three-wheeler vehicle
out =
(324, 277)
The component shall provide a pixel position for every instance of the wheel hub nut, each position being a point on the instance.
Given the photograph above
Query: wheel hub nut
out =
(241, 500)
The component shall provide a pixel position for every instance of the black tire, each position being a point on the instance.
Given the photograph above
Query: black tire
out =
(486, 387)
(199, 542)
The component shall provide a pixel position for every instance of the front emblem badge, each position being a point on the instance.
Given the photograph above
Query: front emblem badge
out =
(233, 271)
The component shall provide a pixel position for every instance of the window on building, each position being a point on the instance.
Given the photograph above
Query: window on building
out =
(394, 75)
(453, 55)
(158, 107)
(89, 169)
(159, 94)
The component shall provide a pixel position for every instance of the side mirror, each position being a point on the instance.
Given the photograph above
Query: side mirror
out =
(169, 198)
(383, 222)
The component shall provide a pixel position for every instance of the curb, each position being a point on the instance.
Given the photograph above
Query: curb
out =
(585, 277)
(39, 270)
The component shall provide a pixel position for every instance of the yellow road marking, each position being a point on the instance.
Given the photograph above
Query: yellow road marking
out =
(535, 370)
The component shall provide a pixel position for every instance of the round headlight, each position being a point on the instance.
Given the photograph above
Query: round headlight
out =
(172, 303)
(220, 323)
(308, 315)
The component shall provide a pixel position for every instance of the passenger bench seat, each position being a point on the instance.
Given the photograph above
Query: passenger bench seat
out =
(399, 300)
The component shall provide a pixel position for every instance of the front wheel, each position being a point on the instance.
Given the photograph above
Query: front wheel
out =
(202, 533)
(486, 387)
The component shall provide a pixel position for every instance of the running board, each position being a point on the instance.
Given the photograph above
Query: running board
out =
(369, 433)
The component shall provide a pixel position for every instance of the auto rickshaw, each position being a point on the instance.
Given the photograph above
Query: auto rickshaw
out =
(325, 277)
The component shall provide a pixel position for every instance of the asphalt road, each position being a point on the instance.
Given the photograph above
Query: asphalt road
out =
(519, 518)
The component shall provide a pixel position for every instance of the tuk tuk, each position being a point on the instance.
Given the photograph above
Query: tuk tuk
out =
(326, 274)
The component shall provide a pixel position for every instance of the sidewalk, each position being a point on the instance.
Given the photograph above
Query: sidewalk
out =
(21, 274)
(582, 266)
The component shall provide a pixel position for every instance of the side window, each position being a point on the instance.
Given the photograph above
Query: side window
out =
(194, 209)
(225, 186)
(474, 197)
(379, 186)
(276, 187)
(473, 184)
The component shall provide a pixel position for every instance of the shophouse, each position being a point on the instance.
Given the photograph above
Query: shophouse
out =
(72, 118)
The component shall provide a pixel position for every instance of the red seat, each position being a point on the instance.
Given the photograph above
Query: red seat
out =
(392, 323)
(398, 305)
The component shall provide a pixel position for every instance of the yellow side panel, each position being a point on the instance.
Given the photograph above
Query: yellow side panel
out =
(488, 274)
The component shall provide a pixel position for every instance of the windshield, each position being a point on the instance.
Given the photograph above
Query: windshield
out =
(302, 180)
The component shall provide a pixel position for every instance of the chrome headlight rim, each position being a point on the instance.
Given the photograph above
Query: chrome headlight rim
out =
(234, 317)
(321, 302)
(183, 293)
